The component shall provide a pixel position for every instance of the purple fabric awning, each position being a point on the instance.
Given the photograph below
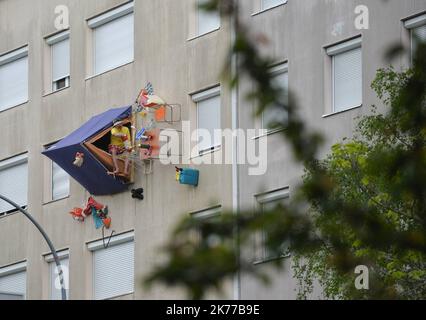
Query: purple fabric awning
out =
(92, 175)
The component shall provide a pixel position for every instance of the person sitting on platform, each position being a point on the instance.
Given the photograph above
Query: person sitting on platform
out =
(120, 145)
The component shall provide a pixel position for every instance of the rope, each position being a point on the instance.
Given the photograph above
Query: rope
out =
(103, 237)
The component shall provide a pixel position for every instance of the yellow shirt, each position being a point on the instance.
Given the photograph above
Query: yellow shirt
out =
(118, 136)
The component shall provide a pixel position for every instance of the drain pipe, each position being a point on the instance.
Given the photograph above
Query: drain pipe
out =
(235, 174)
(49, 243)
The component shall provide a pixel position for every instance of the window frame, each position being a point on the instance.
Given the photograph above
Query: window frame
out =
(10, 57)
(49, 259)
(201, 96)
(211, 213)
(334, 50)
(260, 251)
(275, 71)
(102, 19)
(15, 268)
(263, 8)
(52, 184)
(411, 24)
(51, 41)
(12, 162)
(97, 245)
(197, 13)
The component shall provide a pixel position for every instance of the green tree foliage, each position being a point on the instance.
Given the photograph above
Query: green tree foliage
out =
(374, 172)
(366, 199)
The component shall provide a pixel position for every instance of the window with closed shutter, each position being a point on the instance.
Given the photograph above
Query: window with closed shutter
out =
(207, 20)
(14, 182)
(113, 39)
(418, 36)
(13, 78)
(60, 182)
(204, 216)
(113, 271)
(13, 282)
(275, 114)
(267, 4)
(55, 291)
(417, 28)
(268, 202)
(60, 48)
(346, 74)
(208, 118)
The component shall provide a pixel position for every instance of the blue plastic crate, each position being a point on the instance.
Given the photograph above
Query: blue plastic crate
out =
(189, 177)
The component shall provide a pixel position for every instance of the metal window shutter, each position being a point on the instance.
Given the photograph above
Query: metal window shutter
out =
(61, 60)
(347, 68)
(14, 185)
(113, 273)
(13, 83)
(273, 113)
(60, 182)
(207, 21)
(114, 42)
(14, 284)
(208, 119)
(419, 34)
(266, 4)
(55, 284)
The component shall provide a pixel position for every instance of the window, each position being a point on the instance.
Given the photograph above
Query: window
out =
(14, 182)
(13, 282)
(417, 27)
(13, 78)
(346, 74)
(207, 21)
(113, 38)
(275, 114)
(208, 118)
(60, 60)
(60, 182)
(210, 214)
(267, 4)
(55, 290)
(113, 267)
(267, 202)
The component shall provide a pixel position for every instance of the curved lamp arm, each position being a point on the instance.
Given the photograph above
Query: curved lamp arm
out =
(49, 243)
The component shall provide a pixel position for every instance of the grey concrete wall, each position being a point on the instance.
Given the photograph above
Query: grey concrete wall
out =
(175, 65)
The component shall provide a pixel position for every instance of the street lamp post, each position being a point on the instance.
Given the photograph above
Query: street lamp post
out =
(49, 243)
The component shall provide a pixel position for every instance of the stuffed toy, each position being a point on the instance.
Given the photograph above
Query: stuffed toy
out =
(77, 214)
(79, 159)
(149, 100)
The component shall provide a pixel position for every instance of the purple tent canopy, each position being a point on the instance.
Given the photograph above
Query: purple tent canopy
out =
(92, 175)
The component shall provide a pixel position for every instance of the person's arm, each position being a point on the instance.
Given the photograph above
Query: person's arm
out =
(127, 141)
(116, 133)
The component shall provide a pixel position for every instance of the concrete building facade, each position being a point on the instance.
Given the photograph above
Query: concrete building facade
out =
(181, 52)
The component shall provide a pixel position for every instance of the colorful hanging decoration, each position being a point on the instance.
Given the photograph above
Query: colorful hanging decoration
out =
(99, 213)
(150, 144)
(97, 210)
(149, 88)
